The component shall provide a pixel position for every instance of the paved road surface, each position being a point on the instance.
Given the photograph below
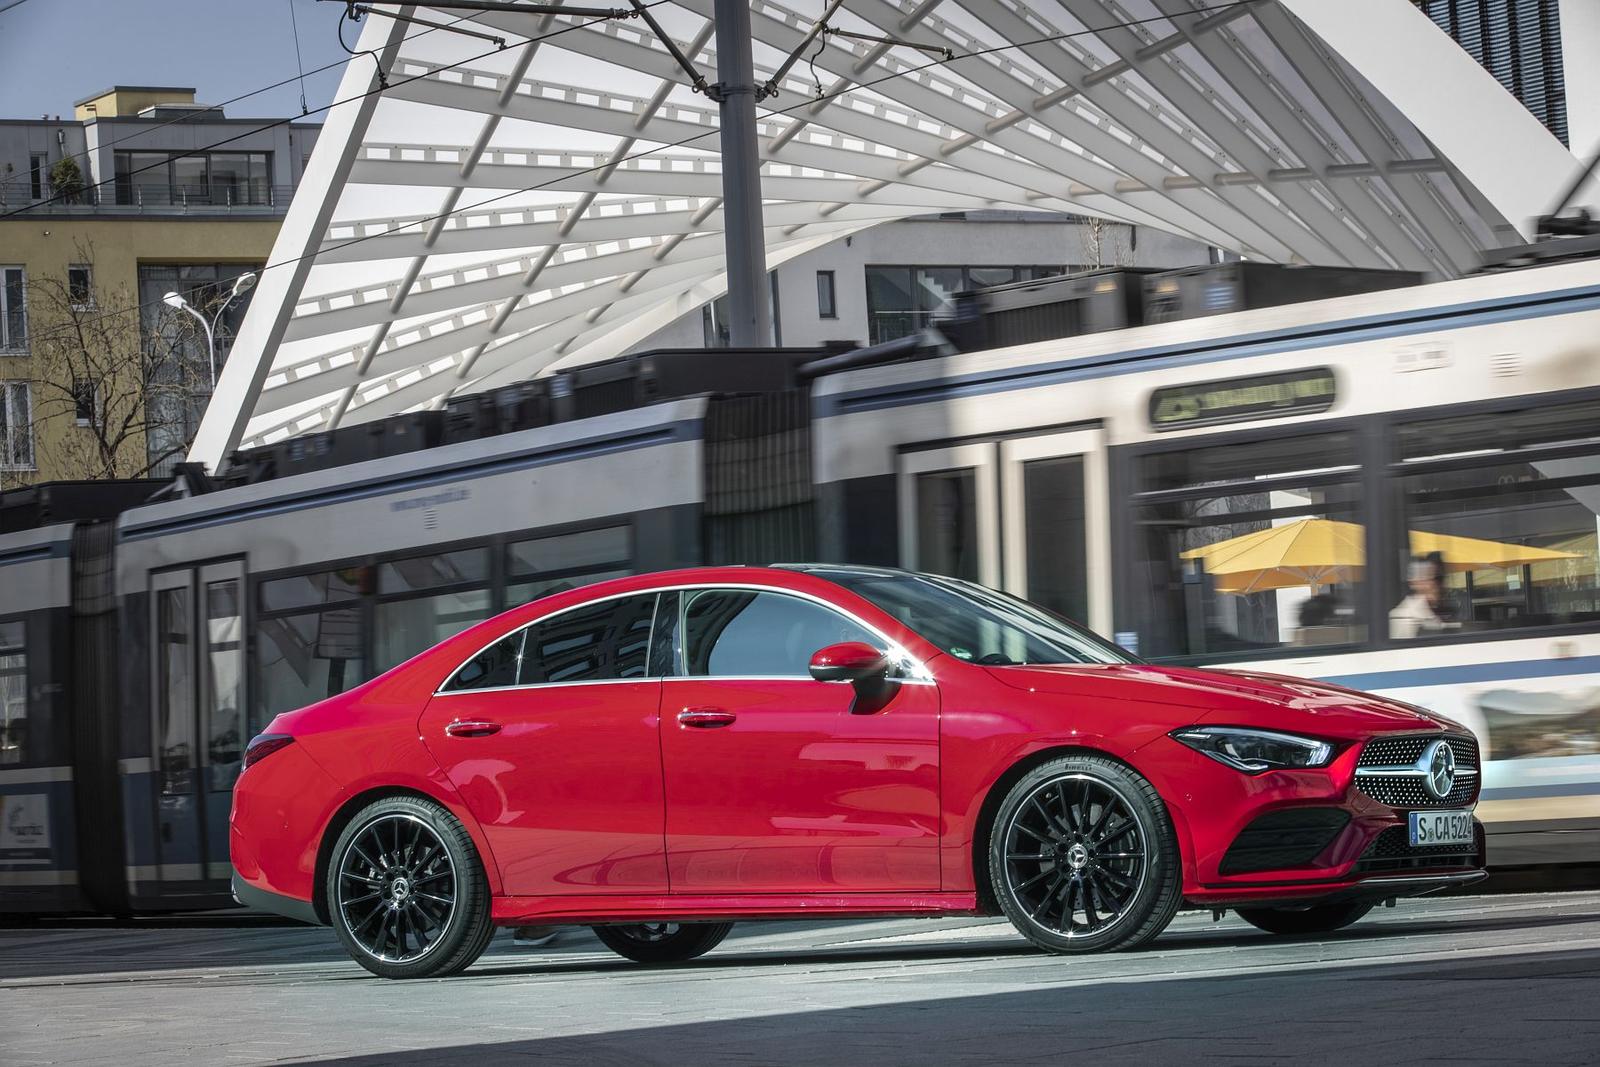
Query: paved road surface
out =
(1512, 979)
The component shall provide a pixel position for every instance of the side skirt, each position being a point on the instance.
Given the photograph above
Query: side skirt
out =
(587, 910)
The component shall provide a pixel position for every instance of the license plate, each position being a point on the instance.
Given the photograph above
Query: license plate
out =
(1441, 828)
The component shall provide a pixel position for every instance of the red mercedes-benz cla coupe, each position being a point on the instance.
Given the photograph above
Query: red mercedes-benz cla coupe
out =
(661, 755)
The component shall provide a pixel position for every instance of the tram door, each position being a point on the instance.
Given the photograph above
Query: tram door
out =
(1026, 514)
(200, 727)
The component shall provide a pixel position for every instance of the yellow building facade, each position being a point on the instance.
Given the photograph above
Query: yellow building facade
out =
(142, 193)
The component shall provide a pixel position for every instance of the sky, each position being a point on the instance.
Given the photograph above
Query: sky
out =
(54, 52)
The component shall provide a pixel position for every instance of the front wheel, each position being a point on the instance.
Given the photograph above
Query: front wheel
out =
(1083, 857)
(1321, 919)
(663, 942)
(406, 892)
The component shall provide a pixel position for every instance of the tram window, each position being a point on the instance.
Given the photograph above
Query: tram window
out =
(565, 552)
(406, 627)
(223, 664)
(434, 571)
(522, 592)
(546, 565)
(315, 590)
(14, 722)
(175, 686)
(1055, 532)
(947, 523)
(1495, 533)
(308, 657)
(1248, 548)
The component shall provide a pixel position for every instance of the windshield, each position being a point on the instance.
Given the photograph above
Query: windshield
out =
(976, 624)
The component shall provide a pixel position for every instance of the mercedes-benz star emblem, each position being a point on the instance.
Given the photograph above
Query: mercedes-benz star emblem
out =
(1439, 767)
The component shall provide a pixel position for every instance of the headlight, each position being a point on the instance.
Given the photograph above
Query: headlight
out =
(1255, 751)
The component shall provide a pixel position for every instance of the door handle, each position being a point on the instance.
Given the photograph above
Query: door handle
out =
(472, 728)
(706, 718)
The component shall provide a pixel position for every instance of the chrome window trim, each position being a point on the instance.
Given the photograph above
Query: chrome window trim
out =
(918, 673)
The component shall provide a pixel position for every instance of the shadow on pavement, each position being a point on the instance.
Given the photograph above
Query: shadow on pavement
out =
(1440, 1012)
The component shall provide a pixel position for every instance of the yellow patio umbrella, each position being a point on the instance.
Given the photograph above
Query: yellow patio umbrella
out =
(1318, 552)
(1313, 552)
(1476, 554)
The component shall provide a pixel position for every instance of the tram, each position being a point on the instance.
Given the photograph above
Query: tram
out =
(1395, 490)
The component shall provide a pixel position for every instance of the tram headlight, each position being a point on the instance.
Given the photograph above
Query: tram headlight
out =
(1255, 751)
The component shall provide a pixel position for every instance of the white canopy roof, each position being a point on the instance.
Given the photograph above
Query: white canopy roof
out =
(491, 214)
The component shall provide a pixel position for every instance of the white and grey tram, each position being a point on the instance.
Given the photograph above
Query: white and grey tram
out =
(1254, 490)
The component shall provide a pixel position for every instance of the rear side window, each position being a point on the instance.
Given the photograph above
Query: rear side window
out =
(494, 667)
(595, 643)
(740, 633)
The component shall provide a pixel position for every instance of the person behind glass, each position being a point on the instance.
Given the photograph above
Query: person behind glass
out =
(1424, 611)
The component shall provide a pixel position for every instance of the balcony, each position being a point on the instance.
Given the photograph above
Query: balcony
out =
(129, 198)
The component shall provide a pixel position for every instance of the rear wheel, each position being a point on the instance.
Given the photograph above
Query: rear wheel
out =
(663, 942)
(1083, 857)
(1322, 919)
(406, 891)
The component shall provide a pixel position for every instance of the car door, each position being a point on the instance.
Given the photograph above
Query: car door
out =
(550, 735)
(774, 784)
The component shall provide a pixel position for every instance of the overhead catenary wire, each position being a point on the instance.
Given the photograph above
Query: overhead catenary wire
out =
(300, 64)
(806, 103)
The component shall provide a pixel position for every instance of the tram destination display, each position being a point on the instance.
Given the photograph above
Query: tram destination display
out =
(1296, 392)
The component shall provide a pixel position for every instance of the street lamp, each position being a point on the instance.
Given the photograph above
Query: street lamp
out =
(241, 284)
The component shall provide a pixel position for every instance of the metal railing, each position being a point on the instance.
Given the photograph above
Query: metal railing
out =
(157, 198)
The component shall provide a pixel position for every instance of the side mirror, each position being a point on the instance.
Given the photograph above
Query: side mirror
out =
(849, 661)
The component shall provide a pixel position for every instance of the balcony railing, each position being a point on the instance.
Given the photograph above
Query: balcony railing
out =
(156, 199)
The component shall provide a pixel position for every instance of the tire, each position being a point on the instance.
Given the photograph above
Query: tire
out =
(1321, 919)
(1085, 835)
(406, 891)
(663, 942)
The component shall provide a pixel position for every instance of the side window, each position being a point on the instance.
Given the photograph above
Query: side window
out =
(741, 633)
(600, 642)
(495, 666)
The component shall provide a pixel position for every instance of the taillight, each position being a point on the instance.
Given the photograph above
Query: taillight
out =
(264, 745)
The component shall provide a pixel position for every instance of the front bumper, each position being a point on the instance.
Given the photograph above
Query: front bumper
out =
(1298, 836)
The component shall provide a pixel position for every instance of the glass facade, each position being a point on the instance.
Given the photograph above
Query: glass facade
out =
(1519, 42)
(180, 387)
(903, 300)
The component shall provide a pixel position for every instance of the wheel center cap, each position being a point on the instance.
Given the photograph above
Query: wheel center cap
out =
(1077, 857)
(399, 889)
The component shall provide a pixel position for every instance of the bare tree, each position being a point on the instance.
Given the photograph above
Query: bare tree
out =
(112, 381)
(1106, 243)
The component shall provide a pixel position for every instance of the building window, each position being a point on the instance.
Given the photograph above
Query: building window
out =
(80, 286)
(716, 321)
(13, 310)
(16, 426)
(85, 402)
(38, 172)
(223, 179)
(827, 308)
(1248, 547)
(1517, 41)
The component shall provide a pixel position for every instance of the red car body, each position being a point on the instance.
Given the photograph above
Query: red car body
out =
(602, 802)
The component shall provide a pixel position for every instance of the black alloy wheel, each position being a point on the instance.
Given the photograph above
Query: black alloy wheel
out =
(1318, 919)
(663, 942)
(406, 892)
(1083, 857)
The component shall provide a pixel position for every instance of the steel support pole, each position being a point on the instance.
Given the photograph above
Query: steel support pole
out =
(749, 297)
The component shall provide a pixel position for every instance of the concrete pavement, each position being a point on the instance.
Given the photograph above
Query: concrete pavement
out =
(1510, 979)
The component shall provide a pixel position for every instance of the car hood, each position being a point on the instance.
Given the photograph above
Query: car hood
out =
(1243, 698)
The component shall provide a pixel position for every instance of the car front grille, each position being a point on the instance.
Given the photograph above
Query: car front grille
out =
(1392, 850)
(1407, 790)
